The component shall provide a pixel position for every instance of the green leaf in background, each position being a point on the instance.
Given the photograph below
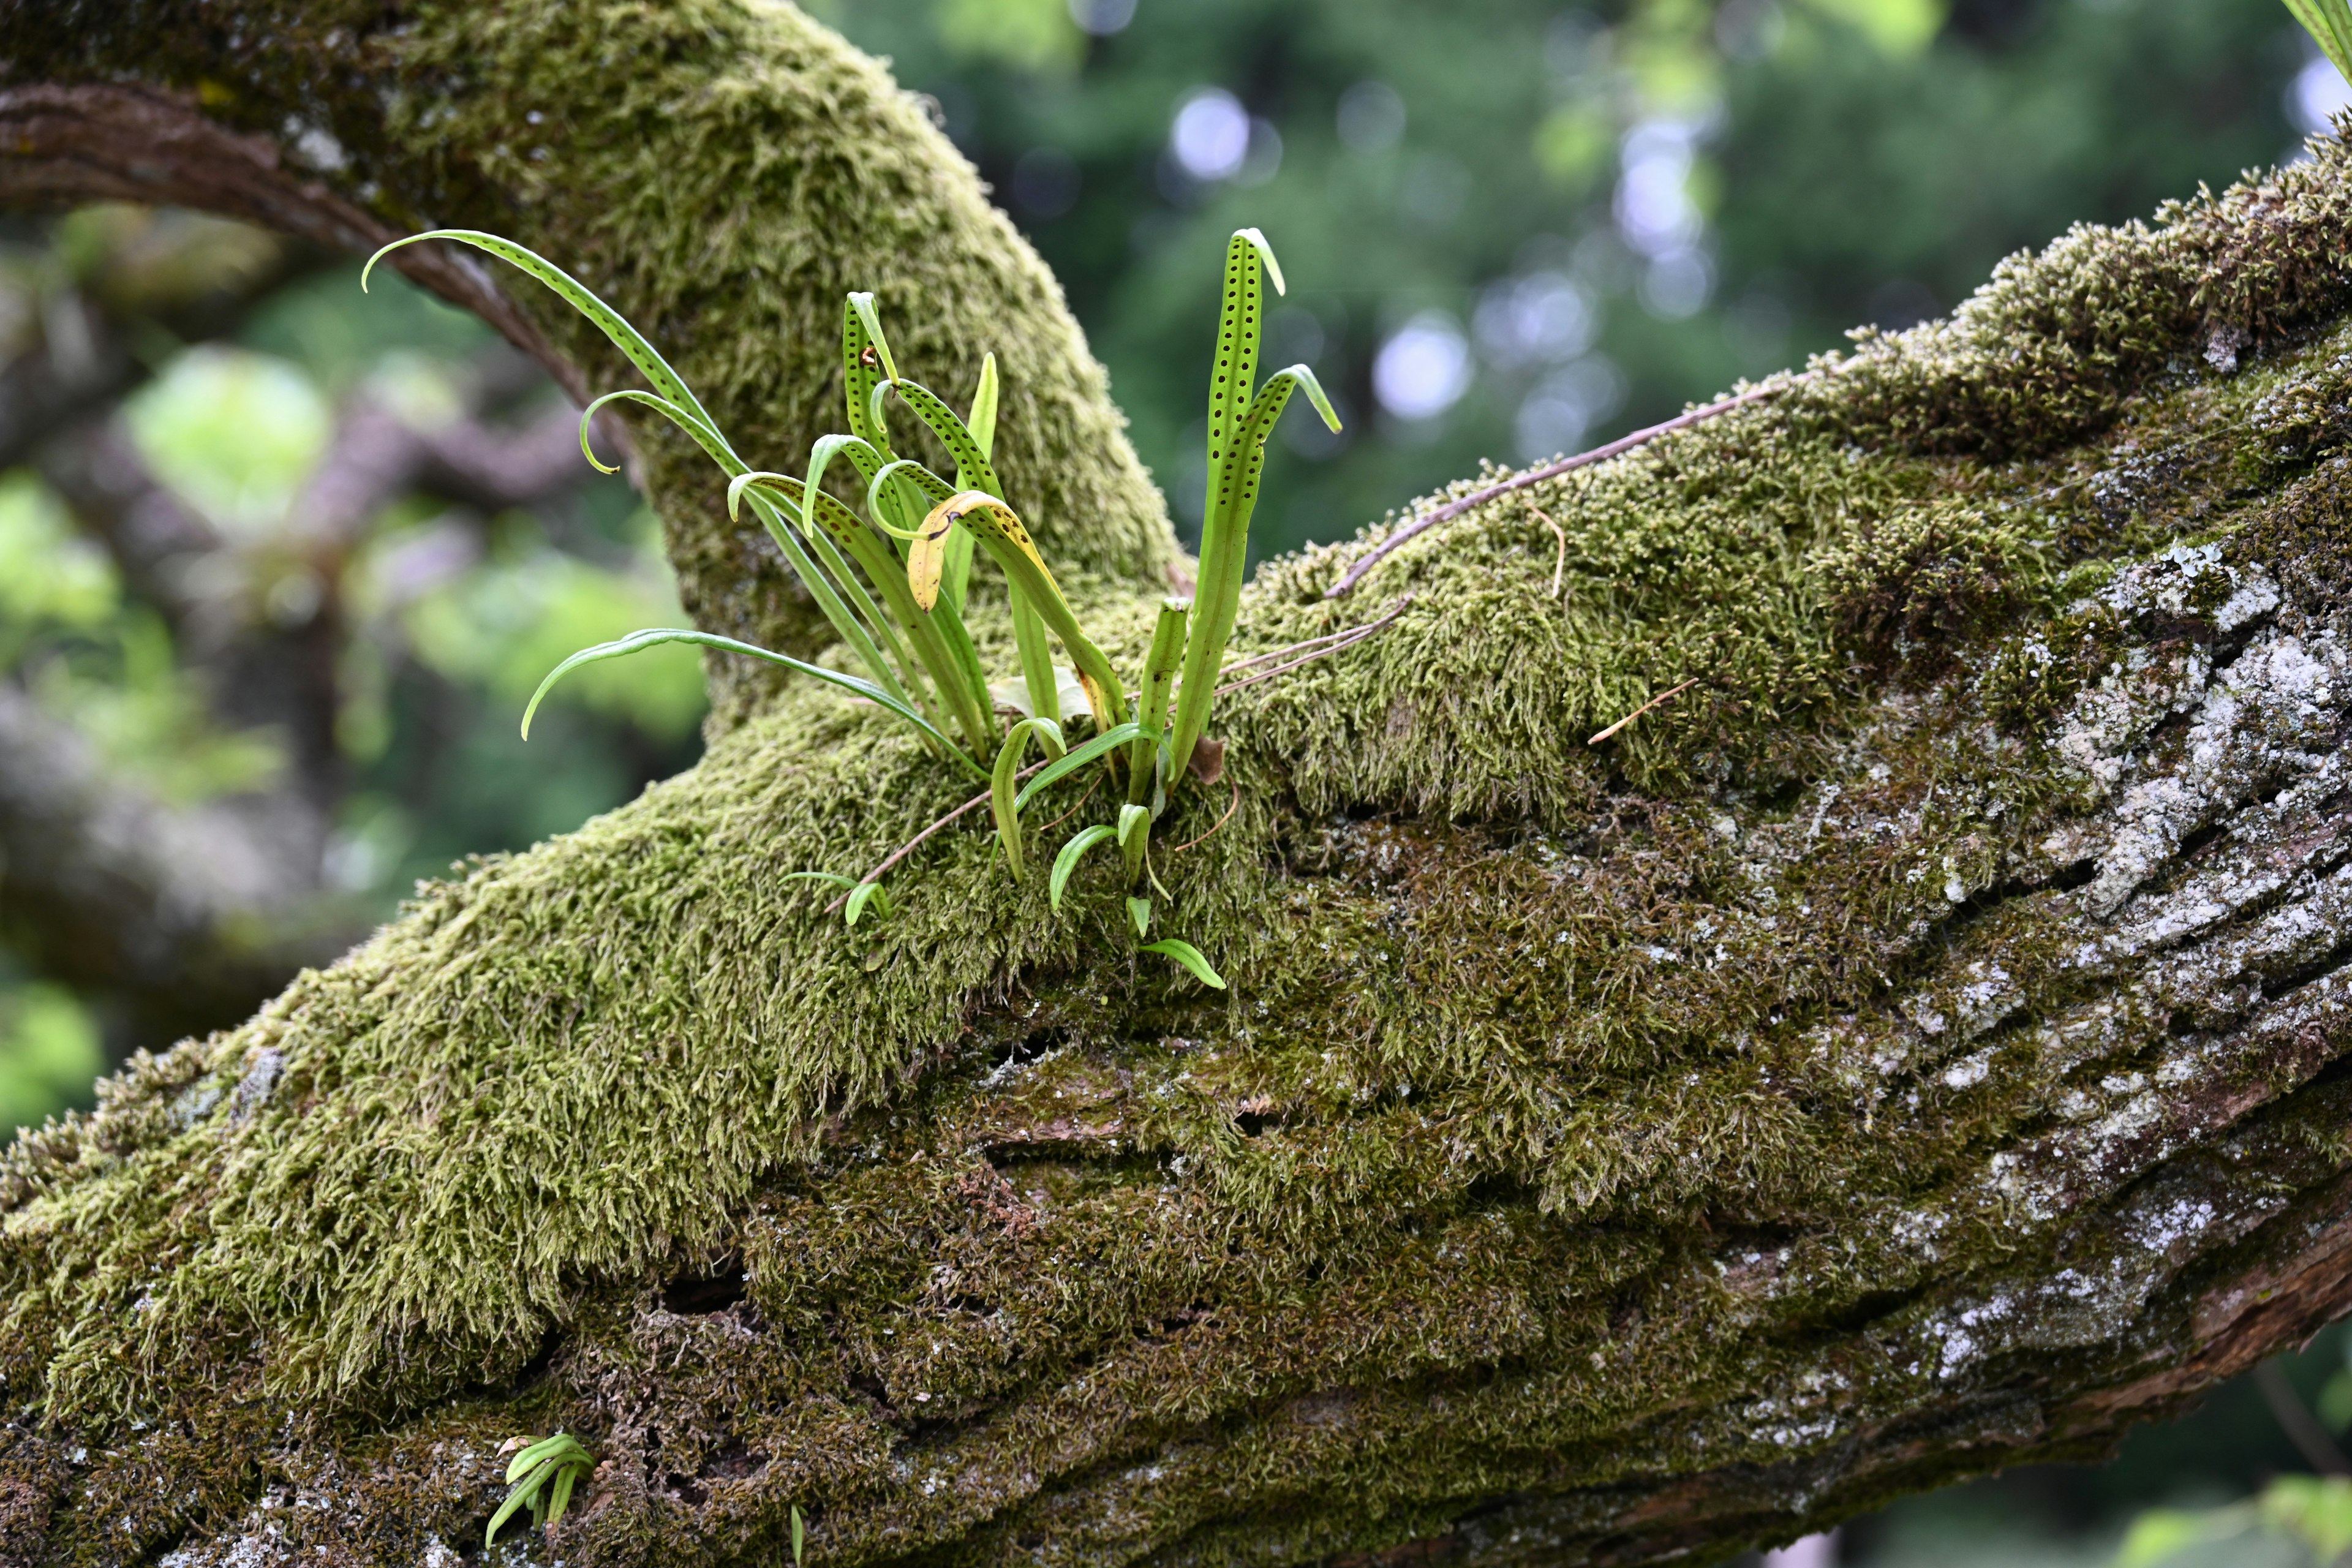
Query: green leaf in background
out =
(50, 576)
(233, 432)
(508, 621)
(2314, 1510)
(49, 1052)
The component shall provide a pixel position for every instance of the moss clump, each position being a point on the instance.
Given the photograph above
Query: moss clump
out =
(1574, 1109)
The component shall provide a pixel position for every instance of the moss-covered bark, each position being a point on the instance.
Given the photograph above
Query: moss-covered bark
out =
(1910, 1051)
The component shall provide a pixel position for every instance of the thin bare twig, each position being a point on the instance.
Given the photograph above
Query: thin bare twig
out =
(908, 848)
(1644, 708)
(1228, 816)
(1337, 640)
(1558, 562)
(1358, 633)
(1065, 816)
(1455, 508)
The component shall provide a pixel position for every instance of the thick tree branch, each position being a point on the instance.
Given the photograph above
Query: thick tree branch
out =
(1917, 1048)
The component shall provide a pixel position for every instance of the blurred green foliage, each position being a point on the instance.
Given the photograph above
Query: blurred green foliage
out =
(1592, 215)
(48, 1054)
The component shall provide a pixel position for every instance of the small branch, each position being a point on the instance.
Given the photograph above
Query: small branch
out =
(1347, 639)
(1221, 822)
(1662, 696)
(2309, 1438)
(1621, 446)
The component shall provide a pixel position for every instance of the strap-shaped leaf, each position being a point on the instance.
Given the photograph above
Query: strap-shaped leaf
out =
(1239, 322)
(705, 434)
(1071, 853)
(1138, 909)
(863, 455)
(521, 1495)
(766, 503)
(559, 1497)
(982, 422)
(904, 471)
(1132, 820)
(1008, 544)
(798, 1534)
(859, 377)
(955, 576)
(580, 296)
(862, 305)
(1038, 677)
(1224, 551)
(1159, 663)
(1185, 953)
(1002, 803)
(1077, 757)
(940, 639)
(860, 893)
(943, 421)
(656, 635)
(2329, 23)
(859, 896)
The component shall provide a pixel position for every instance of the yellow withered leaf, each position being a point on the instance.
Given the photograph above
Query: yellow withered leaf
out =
(927, 555)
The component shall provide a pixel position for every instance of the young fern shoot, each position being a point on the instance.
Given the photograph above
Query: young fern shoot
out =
(892, 577)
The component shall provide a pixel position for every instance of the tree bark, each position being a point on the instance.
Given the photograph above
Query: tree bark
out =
(1911, 1050)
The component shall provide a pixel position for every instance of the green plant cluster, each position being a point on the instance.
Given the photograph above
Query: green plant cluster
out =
(892, 574)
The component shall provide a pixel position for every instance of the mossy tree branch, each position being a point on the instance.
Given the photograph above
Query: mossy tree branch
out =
(1915, 1049)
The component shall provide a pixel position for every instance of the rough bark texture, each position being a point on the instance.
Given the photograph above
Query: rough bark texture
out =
(1914, 1050)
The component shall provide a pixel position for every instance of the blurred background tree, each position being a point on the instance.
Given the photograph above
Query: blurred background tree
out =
(279, 561)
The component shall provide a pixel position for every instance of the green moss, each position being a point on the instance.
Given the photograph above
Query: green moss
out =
(1570, 1105)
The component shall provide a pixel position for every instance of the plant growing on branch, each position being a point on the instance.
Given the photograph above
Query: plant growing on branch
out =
(892, 573)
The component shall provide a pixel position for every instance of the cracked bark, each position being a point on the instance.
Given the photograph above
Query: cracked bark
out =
(2065, 1076)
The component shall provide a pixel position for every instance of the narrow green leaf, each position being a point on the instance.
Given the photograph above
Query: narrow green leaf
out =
(1133, 819)
(580, 297)
(938, 638)
(871, 320)
(1167, 652)
(1008, 544)
(524, 1494)
(705, 435)
(1037, 675)
(904, 471)
(835, 600)
(559, 1496)
(796, 1533)
(860, 896)
(1071, 853)
(1002, 803)
(1109, 741)
(858, 377)
(1138, 909)
(982, 422)
(1233, 374)
(953, 433)
(1225, 553)
(654, 637)
(2329, 23)
(1185, 953)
